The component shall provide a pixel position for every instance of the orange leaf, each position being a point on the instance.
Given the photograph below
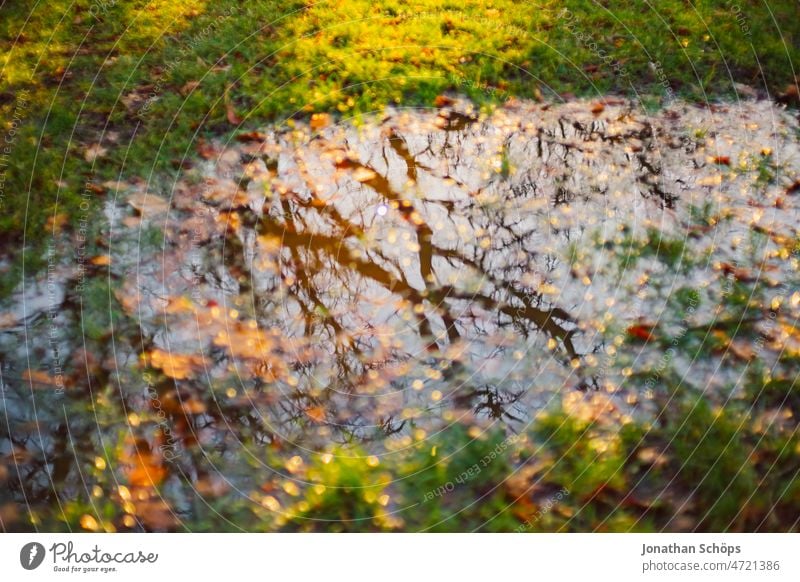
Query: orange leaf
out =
(316, 413)
(642, 332)
(233, 118)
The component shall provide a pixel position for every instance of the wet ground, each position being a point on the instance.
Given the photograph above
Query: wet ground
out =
(358, 283)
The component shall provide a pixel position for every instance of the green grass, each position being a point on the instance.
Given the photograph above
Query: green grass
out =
(89, 68)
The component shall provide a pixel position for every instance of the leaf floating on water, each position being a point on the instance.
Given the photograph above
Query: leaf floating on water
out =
(643, 332)
(148, 205)
(206, 150)
(251, 136)
(316, 413)
(101, 260)
(320, 121)
(597, 108)
(245, 340)
(39, 378)
(180, 304)
(7, 320)
(175, 366)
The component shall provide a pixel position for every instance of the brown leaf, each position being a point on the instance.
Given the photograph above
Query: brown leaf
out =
(39, 377)
(443, 101)
(189, 87)
(231, 115)
(738, 273)
(148, 205)
(206, 150)
(316, 413)
(251, 136)
(643, 332)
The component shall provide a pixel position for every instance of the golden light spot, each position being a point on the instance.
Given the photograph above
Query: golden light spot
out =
(100, 463)
(373, 461)
(133, 419)
(417, 384)
(124, 493)
(291, 488)
(230, 392)
(433, 374)
(294, 464)
(326, 458)
(97, 491)
(129, 521)
(89, 523)
(436, 395)
(270, 503)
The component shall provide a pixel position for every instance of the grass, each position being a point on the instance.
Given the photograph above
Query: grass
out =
(140, 82)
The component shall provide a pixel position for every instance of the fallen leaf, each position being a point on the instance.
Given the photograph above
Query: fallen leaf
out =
(316, 413)
(148, 205)
(174, 365)
(251, 136)
(231, 115)
(443, 101)
(206, 150)
(101, 260)
(93, 152)
(320, 121)
(7, 320)
(189, 87)
(643, 332)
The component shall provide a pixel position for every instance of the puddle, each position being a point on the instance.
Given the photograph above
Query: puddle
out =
(354, 284)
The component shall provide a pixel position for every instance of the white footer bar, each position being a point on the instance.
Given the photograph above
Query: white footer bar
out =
(401, 557)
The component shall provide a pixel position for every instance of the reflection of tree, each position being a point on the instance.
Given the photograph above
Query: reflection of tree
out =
(325, 247)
